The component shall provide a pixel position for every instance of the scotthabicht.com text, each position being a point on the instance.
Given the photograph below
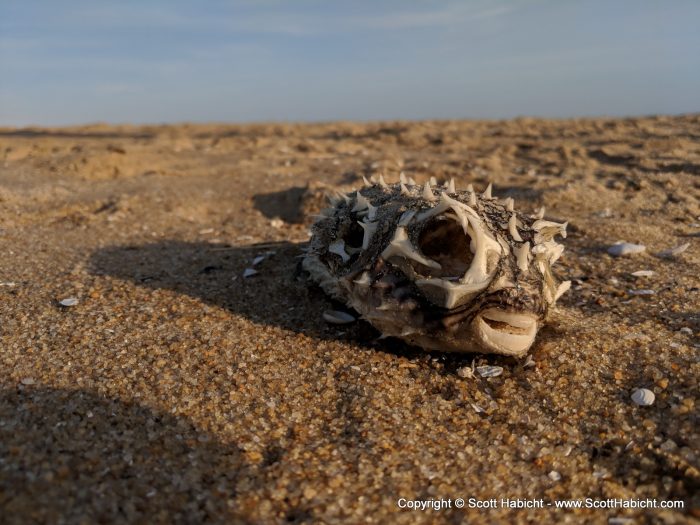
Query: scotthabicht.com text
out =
(437, 504)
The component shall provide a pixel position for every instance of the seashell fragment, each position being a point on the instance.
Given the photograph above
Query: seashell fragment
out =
(643, 397)
(642, 273)
(68, 301)
(259, 259)
(489, 371)
(620, 249)
(465, 372)
(675, 251)
(338, 317)
(249, 272)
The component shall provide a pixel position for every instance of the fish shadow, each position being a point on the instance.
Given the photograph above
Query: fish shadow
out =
(278, 294)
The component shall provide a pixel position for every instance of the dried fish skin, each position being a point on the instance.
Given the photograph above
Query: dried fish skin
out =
(439, 267)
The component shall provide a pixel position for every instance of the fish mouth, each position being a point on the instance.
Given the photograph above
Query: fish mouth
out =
(504, 332)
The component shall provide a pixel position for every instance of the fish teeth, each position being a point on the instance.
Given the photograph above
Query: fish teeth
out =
(451, 186)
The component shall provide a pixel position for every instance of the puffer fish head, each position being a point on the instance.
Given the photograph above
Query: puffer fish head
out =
(443, 269)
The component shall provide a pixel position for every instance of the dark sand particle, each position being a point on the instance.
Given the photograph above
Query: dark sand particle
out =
(178, 391)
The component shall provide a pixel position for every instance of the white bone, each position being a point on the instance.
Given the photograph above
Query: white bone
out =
(370, 229)
(561, 290)
(552, 250)
(487, 192)
(371, 212)
(446, 203)
(451, 186)
(402, 178)
(539, 214)
(433, 181)
(513, 228)
(404, 189)
(361, 203)
(546, 230)
(401, 246)
(428, 193)
(522, 257)
(406, 217)
(502, 341)
(502, 283)
(364, 279)
(472, 195)
(516, 320)
(338, 247)
(450, 294)
(483, 245)
(510, 204)
(481, 242)
(548, 296)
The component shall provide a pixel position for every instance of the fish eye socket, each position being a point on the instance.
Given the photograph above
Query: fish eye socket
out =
(353, 237)
(443, 240)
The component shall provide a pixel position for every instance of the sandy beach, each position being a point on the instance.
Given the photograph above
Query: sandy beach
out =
(169, 388)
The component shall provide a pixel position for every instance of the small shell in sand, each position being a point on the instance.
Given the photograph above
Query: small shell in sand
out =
(336, 317)
(643, 397)
(625, 248)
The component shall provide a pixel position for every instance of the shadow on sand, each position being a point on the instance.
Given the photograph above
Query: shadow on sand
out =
(72, 456)
(278, 295)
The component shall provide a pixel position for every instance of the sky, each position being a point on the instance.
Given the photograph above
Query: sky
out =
(152, 61)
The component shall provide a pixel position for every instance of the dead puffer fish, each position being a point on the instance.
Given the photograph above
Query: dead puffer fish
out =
(440, 268)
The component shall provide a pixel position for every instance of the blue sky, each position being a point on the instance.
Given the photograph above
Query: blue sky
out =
(77, 61)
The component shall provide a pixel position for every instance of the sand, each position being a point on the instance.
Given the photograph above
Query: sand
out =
(178, 391)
